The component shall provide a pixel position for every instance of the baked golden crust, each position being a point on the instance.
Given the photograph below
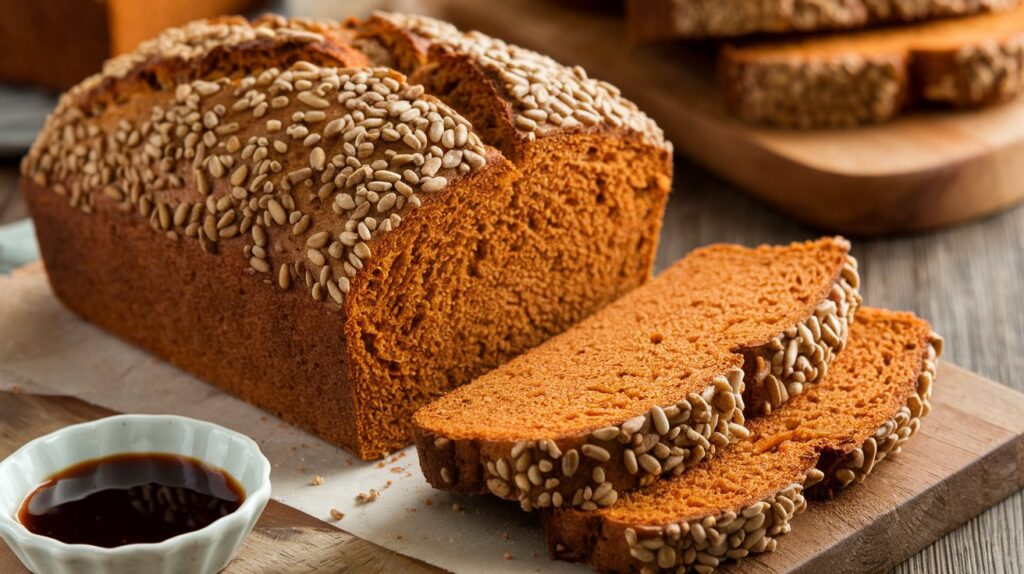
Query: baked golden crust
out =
(283, 145)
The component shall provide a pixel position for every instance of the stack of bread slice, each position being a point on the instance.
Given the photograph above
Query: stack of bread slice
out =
(835, 64)
(684, 424)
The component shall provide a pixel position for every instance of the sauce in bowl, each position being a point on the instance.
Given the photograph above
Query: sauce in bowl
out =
(130, 498)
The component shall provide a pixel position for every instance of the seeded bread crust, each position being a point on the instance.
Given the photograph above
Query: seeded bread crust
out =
(306, 188)
(651, 20)
(845, 467)
(811, 88)
(702, 543)
(538, 96)
(591, 469)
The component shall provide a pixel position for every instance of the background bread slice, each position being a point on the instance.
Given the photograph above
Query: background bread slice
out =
(665, 19)
(649, 385)
(867, 77)
(740, 502)
(340, 269)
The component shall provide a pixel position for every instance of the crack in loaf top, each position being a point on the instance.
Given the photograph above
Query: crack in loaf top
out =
(546, 97)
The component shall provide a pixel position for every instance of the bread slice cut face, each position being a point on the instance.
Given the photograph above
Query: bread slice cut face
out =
(652, 384)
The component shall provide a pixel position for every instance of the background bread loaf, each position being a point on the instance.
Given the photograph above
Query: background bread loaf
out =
(868, 77)
(664, 19)
(57, 43)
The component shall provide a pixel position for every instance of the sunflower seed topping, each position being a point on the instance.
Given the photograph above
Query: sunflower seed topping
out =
(246, 184)
(546, 96)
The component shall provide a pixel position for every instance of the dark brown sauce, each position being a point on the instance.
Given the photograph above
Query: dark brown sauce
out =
(130, 499)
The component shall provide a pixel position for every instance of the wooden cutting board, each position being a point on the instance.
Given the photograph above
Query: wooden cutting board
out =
(285, 540)
(968, 456)
(924, 170)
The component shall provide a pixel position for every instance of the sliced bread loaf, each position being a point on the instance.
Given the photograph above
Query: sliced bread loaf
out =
(664, 19)
(867, 77)
(650, 385)
(738, 503)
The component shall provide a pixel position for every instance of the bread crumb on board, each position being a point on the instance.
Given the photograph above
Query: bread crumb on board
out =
(317, 480)
(337, 514)
(368, 497)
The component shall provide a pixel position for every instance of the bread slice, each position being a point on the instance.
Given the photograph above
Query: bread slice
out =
(867, 77)
(648, 20)
(651, 384)
(738, 503)
(268, 206)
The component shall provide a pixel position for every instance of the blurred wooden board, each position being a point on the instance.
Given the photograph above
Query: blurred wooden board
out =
(923, 170)
(285, 540)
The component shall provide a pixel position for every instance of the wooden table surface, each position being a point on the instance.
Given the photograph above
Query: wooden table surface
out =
(968, 280)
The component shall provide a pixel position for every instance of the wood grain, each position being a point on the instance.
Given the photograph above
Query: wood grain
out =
(285, 540)
(968, 456)
(921, 171)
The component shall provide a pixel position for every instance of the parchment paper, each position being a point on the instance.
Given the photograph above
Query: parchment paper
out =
(45, 348)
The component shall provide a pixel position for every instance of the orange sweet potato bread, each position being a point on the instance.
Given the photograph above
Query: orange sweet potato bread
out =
(341, 222)
(651, 384)
(737, 504)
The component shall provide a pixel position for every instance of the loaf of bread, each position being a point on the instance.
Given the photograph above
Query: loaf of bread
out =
(342, 222)
(649, 20)
(866, 77)
(740, 502)
(57, 43)
(651, 384)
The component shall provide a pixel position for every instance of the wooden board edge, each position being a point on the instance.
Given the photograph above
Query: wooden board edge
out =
(906, 530)
(903, 538)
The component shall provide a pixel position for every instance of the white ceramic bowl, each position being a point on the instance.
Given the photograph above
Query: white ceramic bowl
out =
(202, 551)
